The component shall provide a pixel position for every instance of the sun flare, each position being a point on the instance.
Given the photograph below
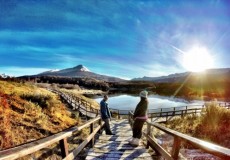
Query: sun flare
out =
(197, 59)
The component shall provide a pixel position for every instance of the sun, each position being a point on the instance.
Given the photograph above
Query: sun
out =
(197, 59)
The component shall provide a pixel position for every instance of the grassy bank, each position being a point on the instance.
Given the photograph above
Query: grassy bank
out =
(28, 113)
(213, 125)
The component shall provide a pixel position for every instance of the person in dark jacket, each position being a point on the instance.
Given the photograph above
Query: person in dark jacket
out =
(140, 116)
(105, 115)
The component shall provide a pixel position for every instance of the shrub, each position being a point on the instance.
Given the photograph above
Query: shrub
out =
(212, 125)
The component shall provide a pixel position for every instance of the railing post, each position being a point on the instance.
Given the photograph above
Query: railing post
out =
(118, 112)
(64, 147)
(129, 117)
(91, 131)
(100, 123)
(176, 148)
(148, 134)
(167, 117)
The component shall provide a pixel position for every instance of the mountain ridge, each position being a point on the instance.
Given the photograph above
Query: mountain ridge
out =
(178, 76)
(79, 71)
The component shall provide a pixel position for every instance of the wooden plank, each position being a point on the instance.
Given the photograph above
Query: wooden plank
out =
(154, 145)
(148, 133)
(108, 142)
(82, 145)
(114, 145)
(91, 131)
(64, 147)
(117, 146)
(119, 134)
(100, 158)
(216, 150)
(96, 150)
(121, 155)
(176, 148)
(23, 150)
(115, 138)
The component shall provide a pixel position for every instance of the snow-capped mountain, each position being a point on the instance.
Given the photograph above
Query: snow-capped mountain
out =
(4, 76)
(78, 71)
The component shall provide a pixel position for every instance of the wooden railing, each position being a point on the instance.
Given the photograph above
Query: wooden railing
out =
(86, 108)
(213, 149)
(79, 104)
(61, 137)
(180, 111)
(168, 113)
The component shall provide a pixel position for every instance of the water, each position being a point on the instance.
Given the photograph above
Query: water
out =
(128, 102)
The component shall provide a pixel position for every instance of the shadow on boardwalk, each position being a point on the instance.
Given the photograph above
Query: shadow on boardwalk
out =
(116, 146)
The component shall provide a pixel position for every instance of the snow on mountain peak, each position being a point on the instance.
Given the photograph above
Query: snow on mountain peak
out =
(54, 70)
(4, 76)
(82, 68)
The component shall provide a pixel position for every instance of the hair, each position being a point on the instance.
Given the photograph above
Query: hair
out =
(144, 99)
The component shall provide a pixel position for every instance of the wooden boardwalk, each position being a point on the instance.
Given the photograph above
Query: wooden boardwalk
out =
(78, 104)
(116, 147)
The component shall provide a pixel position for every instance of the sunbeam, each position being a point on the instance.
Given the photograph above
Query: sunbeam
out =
(182, 84)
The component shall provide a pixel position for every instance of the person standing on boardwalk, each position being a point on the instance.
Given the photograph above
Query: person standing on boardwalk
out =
(105, 115)
(140, 116)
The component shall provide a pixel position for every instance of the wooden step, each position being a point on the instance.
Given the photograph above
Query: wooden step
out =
(114, 147)
(117, 138)
(96, 150)
(121, 155)
(127, 158)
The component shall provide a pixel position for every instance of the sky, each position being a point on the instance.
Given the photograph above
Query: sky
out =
(122, 38)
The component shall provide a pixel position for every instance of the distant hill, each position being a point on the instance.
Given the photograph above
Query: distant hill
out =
(180, 77)
(79, 71)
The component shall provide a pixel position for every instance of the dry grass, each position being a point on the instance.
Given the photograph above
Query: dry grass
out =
(28, 113)
(213, 125)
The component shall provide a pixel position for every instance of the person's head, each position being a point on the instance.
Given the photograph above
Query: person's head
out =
(105, 97)
(143, 94)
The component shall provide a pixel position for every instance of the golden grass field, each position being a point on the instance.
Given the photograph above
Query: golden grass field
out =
(213, 125)
(28, 113)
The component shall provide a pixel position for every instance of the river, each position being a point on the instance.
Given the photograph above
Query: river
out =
(129, 102)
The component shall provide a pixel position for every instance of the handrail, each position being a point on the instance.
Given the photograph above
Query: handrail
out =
(216, 150)
(206, 146)
(28, 148)
(153, 113)
(86, 107)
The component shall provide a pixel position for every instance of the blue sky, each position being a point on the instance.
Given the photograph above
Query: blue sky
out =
(123, 38)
